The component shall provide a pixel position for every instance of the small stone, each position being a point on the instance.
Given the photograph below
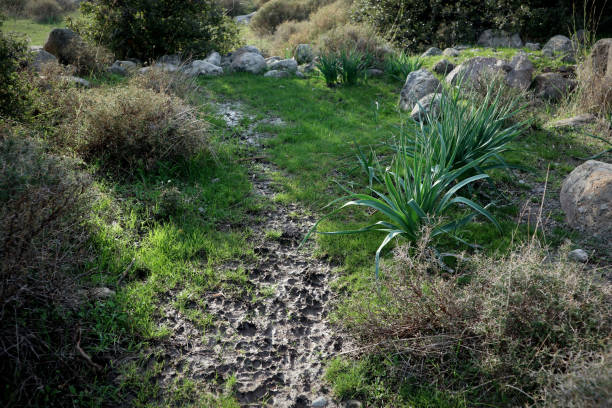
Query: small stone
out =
(373, 72)
(578, 255)
(319, 402)
(79, 82)
(443, 67)
(276, 74)
(101, 293)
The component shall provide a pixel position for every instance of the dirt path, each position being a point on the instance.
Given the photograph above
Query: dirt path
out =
(276, 344)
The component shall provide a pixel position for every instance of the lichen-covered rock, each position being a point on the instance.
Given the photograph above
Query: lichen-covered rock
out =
(473, 69)
(533, 46)
(552, 86)
(40, 58)
(429, 104)
(277, 74)
(202, 67)
(304, 54)
(499, 38)
(249, 62)
(586, 198)
(558, 45)
(290, 65)
(601, 58)
(214, 58)
(521, 73)
(433, 51)
(418, 84)
(450, 52)
(64, 44)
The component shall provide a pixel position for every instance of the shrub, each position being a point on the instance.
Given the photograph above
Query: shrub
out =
(44, 11)
(417, 24)
(14, 89)
(275, 12)
(513, 324)
(43, 248)
(127, 128)
(354, 36)
(236, 7)
(149, 29)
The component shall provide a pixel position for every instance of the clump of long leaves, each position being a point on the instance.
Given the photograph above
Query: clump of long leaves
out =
(399, 65)
(463, 133)
(329, 66)
(416, 190)
(353, 66)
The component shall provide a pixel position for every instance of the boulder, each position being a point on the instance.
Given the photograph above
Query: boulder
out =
(272, 60)
(300, 75)
(450, 52)
(521, 72)
(64, 44)
(250, 62)
(472, 69)
(173, 59)
(499, 38)
(277, 74)
(575, 121)
(552, 86)
(578, 255)
(202, 67)
(533, 46)
(418, 84)
(40, 58)
(427, 104)
(558, 45)
(284, 65)
(443, 67)
(433, 51)
(308, 68)
(165, 67)
(214, 58)
(304, 54)
(245, 19)
(601, 58)
(586, 198)
(521, 62)
(122, 68)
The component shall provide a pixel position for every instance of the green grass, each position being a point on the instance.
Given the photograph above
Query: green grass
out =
(36, 33)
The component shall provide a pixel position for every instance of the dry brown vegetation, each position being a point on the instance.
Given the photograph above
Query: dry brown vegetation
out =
(509, 325)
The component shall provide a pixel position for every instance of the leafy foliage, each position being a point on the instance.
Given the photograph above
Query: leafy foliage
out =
(149, 29)
(14, 92)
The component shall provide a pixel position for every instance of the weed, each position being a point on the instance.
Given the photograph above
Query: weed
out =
(329, 65)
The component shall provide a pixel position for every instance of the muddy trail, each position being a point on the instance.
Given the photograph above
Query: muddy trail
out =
(275, 345)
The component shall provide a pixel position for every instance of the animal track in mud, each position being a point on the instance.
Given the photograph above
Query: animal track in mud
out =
(275, 344)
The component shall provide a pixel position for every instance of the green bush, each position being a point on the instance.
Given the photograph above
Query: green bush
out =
(44, 11)
(416, 24)
(149, 29)
(14, 89)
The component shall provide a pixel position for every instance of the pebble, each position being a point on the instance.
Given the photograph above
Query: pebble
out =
(319, 402)
(579, 255)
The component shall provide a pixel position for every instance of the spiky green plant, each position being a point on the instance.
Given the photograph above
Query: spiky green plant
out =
(399, 65)
(418, 190)
(329, 66)
(353, 66)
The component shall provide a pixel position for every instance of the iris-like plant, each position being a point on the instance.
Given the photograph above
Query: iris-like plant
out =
(353, 66)
(329, 65)
(399, 65)
(418, 189)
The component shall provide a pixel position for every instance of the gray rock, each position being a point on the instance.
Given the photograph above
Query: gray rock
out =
(277, 74)
(600, 59)
(374, 73)
(462, 47)
(173, 59)
(352, 404)
(202, 67)
(245, 19)
(586, 198)
(443, 67)
(503, 65)
(558, 45)
(575, 121)
(552, 86)
(214, 58)
(40, 58)
(418, 84)
(308, 68)
(272, 60)
(472, 70)
(122, 68)
(429, 104)
(533, 46)
(433, 51)
(579, 38)
(78, 82)
(450, 52)
(249, 62)
(304, 54)
(118, 70)
(578, 255)
(521, 62)
(521, 74)
(165, 67)
(499, 38)
(300, 75)
(64, 44)
(319, 402)
(101, 293)
(285, 65)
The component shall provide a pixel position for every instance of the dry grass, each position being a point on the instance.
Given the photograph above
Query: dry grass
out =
(496, 326)
(43, 247)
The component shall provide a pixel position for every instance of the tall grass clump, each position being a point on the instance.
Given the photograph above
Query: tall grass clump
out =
(329, 66)
(127, 128)
(497, 331)
(417, 189)
(353, 66)
(399, 65)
